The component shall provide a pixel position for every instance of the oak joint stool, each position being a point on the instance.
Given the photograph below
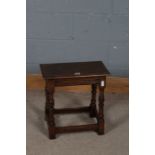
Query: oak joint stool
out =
(70, 74)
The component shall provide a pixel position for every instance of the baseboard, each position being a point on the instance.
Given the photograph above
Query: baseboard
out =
(114, 84)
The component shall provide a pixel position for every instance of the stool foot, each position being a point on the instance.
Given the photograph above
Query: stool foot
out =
(101, 128)
(49, 109)
(101, 111)
(51, 133)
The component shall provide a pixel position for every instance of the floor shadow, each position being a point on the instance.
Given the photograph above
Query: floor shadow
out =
(73, 100)
(123, 116)
(40, 123)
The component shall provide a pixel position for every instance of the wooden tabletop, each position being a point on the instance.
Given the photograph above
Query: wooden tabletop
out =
(74, 69)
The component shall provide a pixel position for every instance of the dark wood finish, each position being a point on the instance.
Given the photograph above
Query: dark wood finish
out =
(100, 114)
(49, 111)
(93, 110)
(71, 110)
(71, 70)
(70, 74)
(78, 81)
(77, 128)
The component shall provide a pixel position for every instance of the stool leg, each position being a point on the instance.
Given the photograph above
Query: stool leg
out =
(46, 105)
(49, 111)
(93, 101)
(101, 110)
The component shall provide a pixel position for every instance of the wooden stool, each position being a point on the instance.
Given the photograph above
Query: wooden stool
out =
(70, 74)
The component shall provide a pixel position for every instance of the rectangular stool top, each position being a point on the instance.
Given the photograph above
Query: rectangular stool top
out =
(73, 69)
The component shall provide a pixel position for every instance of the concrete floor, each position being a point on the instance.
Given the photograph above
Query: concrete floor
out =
(114, 142)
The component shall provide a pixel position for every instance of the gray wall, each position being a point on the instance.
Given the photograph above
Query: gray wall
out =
(78, 30)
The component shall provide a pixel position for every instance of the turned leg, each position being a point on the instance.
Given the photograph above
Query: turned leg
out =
(49, 110)
(93, 101)
(46, 105)
(101, 109)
